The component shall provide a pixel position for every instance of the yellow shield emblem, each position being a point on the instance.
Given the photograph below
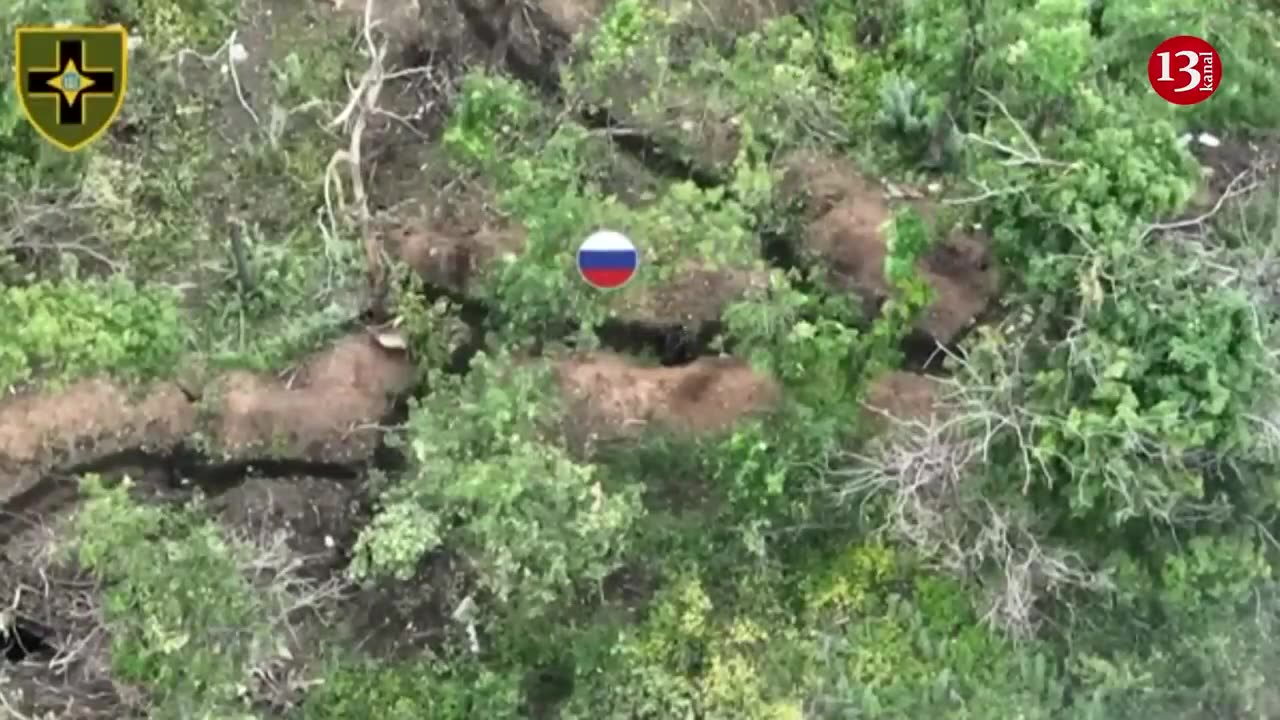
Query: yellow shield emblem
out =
(71, 80)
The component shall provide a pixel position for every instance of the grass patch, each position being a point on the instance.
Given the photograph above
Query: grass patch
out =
(230, 209)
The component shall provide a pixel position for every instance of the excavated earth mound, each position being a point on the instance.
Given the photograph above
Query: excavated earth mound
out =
(900, 395)
(326, 412)
(84, 422)
(612, 398)
(848, 214)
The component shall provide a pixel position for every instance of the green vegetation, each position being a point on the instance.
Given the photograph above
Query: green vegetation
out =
(73, 328)
(1086, 531)
(185, 616)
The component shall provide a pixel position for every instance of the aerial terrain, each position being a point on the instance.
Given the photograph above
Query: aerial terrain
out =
(948, 385)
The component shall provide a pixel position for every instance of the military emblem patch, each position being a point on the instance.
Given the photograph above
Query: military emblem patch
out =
(71, 80)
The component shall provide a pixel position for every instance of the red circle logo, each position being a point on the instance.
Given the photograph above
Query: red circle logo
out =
(1184, 70)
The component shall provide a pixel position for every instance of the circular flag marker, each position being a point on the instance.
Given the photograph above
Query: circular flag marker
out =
(1184, 70)
(607, 260)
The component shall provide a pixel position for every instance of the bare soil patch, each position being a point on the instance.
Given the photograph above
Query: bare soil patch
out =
(396, 620)
(86, 421)
(572, 17)
(318, 516)
(695, 298)
(328, 411)
(398, 20)
(455, 258)
(848, 213)
(611, 397)
(902, 395)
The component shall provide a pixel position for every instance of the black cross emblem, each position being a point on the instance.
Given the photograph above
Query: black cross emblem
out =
(71, 70)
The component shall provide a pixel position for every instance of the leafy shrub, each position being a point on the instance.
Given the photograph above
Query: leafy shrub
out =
(185, 622)
(1189, 634)
(682, 662)
(414, 690)
(809, 342)
(874, 637)
(170, 25)
(72, 328)
(895, 641)
(1244, 34)
(769, 88)
(1042, 55)
(488, 479)
(1162, 369)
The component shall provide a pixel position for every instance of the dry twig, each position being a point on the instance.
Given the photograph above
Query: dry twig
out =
(355, 116)
(1230, 192)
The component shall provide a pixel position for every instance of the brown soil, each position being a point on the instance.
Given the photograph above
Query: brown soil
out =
(328, 412)
(318, 515)
(902, 396)
(86, 421)
(848, 212)
(612, 397)
(398, 20)
(693, 299)
(572, 17)
(453, 260)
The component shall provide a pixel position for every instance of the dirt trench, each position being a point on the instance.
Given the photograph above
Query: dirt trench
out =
(324, 412)
(847, 216)
(846, 210)
(611, 397)
(903, 396)
(458, 257)
(535, 40)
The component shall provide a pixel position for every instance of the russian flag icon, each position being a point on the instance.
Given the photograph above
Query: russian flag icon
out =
(607, 260)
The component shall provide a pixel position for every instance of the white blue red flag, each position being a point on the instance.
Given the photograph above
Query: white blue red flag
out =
(608, 260)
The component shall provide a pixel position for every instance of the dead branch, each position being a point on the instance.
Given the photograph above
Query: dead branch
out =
(1030, 156)
(355, 117)
(1230, 192)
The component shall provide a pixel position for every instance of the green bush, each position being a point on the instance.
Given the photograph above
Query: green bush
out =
(185, 622)
(489, 480)
(414, 690)
(864, 635)
(68, 329)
